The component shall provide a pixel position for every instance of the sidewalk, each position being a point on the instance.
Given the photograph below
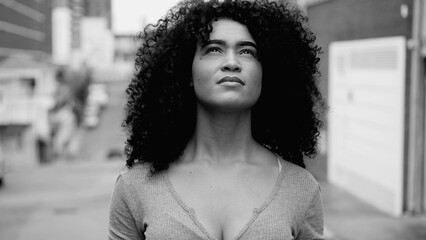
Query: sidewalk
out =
(348, 218)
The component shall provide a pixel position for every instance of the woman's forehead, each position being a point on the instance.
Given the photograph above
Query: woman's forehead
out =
(225, 28)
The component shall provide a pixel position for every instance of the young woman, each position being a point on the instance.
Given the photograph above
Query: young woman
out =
(221, 113)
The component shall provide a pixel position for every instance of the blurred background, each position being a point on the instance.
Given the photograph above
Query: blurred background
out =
(64, 67)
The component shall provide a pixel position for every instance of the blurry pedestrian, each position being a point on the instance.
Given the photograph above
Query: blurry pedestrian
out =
(63, 118)
(65, 127)
(221, 113)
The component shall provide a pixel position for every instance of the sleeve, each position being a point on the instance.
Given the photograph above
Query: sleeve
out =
(122, 223)
(312, 226)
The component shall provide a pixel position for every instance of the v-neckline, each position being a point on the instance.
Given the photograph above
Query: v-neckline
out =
(255, 214)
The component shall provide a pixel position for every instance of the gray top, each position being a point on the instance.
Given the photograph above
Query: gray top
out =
(150, 208)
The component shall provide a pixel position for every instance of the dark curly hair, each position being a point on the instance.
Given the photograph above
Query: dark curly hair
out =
(161, 105)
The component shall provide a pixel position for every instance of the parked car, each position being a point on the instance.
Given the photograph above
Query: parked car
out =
(98, 94)
(91, 116)
(97, 100)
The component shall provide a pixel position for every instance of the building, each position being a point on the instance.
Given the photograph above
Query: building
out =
(37, 39)
(82, 33)
(27, 81)
(66, 28)
(372, 70)
(99, 8)
(97, 39)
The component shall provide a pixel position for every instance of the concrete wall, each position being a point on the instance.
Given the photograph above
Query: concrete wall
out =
(25, 25)
(338, 20)
(349, 20)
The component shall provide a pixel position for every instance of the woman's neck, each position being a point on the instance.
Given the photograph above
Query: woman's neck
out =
(222, 137)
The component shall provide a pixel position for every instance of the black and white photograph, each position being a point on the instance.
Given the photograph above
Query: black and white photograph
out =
(213, 119)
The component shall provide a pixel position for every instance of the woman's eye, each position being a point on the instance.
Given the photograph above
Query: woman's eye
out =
(213, 50)
(248, 51)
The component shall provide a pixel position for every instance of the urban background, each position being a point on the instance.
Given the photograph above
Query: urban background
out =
(64, 67)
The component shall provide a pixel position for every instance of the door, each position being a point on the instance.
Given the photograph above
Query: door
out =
(366, 120)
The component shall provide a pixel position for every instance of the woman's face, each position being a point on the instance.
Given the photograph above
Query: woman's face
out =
(226, 73)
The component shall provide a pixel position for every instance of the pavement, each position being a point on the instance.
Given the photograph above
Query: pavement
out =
(64, 200)
(347, 217)
(55, 200)
(69, 200)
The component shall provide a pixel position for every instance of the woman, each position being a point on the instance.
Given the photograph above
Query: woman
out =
(221, 113)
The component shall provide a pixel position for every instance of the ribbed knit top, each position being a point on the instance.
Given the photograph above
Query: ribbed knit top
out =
(149, 208)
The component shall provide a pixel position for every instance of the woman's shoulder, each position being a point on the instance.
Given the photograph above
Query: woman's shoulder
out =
(298, 176)
(138, 174)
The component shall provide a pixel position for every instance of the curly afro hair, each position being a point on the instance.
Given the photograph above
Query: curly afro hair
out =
(161, 104)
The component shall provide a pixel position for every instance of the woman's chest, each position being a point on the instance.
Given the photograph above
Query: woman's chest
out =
(175, 222)
(223, 207)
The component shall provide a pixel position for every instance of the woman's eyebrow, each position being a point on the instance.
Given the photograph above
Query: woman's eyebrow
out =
(247, 43)
(223, 43)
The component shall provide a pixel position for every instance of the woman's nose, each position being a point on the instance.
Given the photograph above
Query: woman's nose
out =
(231, 63)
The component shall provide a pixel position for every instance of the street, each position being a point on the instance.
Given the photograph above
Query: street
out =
(67, 199)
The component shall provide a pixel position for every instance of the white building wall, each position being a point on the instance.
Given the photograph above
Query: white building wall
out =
(366, 120)
(61, 35)
(97, 43)
(24, 112)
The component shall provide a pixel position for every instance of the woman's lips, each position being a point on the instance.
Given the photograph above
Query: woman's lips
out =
(231, 79)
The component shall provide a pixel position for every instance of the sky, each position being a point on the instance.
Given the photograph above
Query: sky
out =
(129, 16)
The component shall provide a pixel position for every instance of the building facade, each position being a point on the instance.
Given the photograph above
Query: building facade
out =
(372, 70)
(38, 40)
(27, 81)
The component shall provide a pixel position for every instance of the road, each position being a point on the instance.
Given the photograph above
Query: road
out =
(67, 199)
